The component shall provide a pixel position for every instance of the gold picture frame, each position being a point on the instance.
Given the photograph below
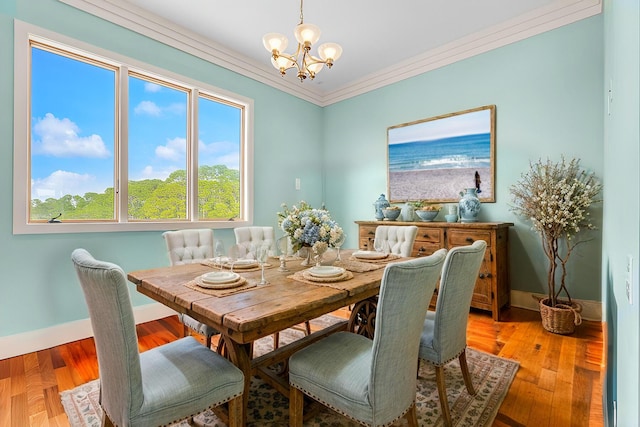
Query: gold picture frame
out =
(435, 159)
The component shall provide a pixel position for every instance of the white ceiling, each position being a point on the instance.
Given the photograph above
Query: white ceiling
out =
(383, 41)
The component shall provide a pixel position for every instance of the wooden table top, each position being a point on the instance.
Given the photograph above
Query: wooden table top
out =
(260, 311)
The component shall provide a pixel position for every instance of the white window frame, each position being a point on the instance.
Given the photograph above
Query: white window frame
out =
(23, 33)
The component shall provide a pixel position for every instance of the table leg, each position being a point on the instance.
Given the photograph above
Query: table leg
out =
(363, 317)
(240, 355)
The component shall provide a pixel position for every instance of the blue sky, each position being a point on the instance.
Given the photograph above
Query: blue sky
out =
(73, 128)
(461, 124)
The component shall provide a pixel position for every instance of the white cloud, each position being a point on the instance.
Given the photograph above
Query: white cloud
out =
(174, 150)
(149, 108)
(59, 137)
(219, 153)
(149, 172)
(61, 183)
(152, 87)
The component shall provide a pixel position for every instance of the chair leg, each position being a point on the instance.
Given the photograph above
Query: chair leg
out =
(208, 341)
(276, 340)
(106, 421)
(296, 405)
(465, 373)
(235, 412)
(411, 416)
(307, 327)
(442, 394)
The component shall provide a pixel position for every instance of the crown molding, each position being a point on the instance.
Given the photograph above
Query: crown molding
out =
(527, 25)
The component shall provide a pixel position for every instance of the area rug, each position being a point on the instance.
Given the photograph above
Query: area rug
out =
(492, 377)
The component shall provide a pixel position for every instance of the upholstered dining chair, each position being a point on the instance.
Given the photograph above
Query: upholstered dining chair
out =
(371, 381)
(396, 239)
(160, 386)
(257, 235)
(444, 334)
(186, 247)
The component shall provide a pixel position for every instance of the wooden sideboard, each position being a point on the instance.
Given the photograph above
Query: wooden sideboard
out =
(492, 291)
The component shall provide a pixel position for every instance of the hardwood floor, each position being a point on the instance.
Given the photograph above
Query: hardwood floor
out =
(558, 384)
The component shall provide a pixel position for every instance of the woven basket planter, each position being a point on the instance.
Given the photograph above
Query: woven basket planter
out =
(561, 319)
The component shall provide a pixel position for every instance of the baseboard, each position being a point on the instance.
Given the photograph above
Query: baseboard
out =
(591, 310)
(28, 342)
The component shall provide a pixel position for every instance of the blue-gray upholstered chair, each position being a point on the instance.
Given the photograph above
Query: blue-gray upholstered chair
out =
(444, 334)
(157, 387)
(396, 239)
(186, 247)
(371, 381)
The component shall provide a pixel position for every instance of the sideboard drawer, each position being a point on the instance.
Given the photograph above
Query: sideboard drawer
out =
(467, 237)
(429, 235)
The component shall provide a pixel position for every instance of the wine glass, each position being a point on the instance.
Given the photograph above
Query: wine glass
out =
(338, 244)
(262, 253)
(219, 252)
(234, 254)
(283, 245)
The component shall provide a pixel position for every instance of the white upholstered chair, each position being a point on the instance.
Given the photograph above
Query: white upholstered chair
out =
(444, 334)
(371, 381)
(257, 235)
(396, 239)
(160, 386)
(185, 247)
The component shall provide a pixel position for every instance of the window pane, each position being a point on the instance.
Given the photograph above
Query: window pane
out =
(219, 148)
(157, 150)
(72, 138)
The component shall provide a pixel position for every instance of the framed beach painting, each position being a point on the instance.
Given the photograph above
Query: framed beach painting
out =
(435, 159)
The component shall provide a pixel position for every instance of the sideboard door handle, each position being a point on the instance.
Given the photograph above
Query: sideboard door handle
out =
(469, 239)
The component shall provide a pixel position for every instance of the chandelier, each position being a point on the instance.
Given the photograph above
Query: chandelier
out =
(306, 64)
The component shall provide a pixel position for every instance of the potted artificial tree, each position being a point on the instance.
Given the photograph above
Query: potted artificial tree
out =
(556, 197)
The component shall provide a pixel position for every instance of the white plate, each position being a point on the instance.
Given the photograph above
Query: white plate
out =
(219, 277)
(245, 263)
(370, 255)
(228, 285)
(326, 271)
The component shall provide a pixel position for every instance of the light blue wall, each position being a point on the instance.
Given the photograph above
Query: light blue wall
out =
(38, 288)
(548, 95)
(622, 219)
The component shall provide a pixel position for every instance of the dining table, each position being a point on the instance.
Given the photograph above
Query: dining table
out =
(245, 313)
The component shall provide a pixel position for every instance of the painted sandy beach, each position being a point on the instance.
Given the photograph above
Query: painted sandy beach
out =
(437, 184)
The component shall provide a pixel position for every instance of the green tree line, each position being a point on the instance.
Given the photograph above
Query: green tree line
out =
(153, 199)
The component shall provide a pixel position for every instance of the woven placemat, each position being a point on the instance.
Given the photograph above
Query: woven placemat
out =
(236, 269)
(385, 260)
(357, 266)
(333, 282)
(193, 284)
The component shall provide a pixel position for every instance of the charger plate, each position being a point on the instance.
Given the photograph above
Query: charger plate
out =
(369, 255)
(326, 271)
(239, 281)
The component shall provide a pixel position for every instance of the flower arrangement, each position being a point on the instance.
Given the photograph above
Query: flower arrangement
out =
(307, 226)
(556, 198)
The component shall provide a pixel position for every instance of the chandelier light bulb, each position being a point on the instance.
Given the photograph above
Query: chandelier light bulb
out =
(330, 52)
(275, 42)
(307, 34)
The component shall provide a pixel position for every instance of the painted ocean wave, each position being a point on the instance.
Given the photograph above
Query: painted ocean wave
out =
(467, 151)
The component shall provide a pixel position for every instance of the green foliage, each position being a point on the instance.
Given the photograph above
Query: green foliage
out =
(153, 199)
